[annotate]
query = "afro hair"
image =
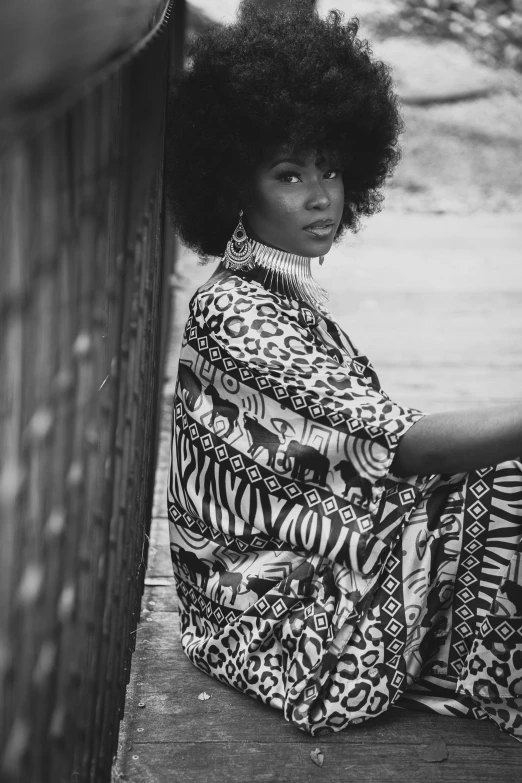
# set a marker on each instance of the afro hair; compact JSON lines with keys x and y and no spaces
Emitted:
{"x":282,"y":76}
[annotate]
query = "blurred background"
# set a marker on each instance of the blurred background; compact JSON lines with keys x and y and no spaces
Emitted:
{"x":94,"y":292}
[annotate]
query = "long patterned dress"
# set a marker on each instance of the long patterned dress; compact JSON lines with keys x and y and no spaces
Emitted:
{"x":309,"y":576}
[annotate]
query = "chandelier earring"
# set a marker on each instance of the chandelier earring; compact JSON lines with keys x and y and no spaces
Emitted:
{"x":239,"y":255}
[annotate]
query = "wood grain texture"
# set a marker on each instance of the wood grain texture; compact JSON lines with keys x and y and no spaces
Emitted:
{"x":242,"y":762}
{"x":229,"y":716}
{"x":160,"y":598}
{"x":82,"y":270}
{"x":161,"y":563}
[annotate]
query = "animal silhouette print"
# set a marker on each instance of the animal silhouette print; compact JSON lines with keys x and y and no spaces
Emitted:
{"x":221,"y":407}
{"x":262,"y":438}
{"x":306,"y":458}
{"x":352,"y":479}
{"x":191,"y":385}
{"x":259,"y":585}
{"x":192,"y":565}
{"x":230,"y":579}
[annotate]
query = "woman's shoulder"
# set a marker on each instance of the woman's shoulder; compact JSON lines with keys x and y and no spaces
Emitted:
{"x":233,"y":307}
{"x":227,"y":296}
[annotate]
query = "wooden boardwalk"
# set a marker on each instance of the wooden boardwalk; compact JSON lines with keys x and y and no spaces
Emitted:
{"x":436,"y":302}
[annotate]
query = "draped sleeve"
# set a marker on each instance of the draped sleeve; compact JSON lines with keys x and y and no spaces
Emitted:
{"x":297,"y":434}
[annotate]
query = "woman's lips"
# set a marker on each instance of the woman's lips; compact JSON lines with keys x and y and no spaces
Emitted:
{"x":320,"y":231}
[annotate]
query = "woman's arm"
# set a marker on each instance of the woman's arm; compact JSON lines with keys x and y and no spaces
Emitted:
{"x":459,"y":441}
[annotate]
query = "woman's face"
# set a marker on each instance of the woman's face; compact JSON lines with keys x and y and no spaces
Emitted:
{"x":296,"y":203}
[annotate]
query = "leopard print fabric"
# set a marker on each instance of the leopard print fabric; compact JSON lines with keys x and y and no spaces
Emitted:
{"x":308,"y":575}
{"x":493,"y":671}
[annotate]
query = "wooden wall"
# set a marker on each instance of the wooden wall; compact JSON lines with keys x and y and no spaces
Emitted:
{"x":82,"y":313}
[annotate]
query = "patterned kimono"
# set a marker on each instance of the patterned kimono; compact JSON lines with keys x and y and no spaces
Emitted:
{"x":309,"y":576}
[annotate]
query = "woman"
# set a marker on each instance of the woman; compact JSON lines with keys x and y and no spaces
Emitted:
{"x":335,"y":553}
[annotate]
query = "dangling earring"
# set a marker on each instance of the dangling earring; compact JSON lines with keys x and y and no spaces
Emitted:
{"x":238,"y":254}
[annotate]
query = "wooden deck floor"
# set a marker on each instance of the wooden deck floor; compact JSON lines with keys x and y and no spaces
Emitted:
{"x":437,"y":305}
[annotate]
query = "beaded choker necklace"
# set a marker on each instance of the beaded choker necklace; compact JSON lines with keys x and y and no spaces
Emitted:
{"x":288,"y":275}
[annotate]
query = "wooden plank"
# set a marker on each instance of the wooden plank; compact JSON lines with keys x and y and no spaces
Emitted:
{"x":160,"y":564}
{"x":169,"y":685}
{"x":160,"y":598}
{"x":159,"y":532}
{"x":159,"y":506}
{"x":238,"y":762}
{"x":230,"y":716}
{"x":161,"y":632}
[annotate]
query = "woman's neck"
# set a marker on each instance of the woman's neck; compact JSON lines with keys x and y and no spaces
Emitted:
{"x":288,"y":274}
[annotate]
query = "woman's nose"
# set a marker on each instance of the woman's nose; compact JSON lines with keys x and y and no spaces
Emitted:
{"x":318,"y":197}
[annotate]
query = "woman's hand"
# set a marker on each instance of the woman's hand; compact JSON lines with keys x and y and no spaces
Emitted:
{"x":460,"y":441}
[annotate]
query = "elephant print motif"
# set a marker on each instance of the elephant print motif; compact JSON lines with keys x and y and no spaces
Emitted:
{"x":307,"y":460}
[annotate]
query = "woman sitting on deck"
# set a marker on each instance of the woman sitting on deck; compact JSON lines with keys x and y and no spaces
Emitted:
{"x":336,"y":553}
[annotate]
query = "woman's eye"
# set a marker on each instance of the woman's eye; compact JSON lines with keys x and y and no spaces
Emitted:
{"x":288,"y":176}
{"x":293,"y":177}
